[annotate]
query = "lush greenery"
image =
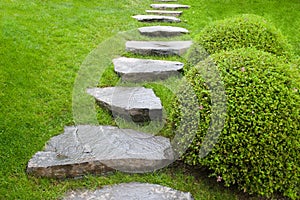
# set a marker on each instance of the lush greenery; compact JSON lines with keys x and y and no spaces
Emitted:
{"x":258,"y":148}
{"x":256,"y":124}
{"x":43,"y":44}
{"x":284,"y":15}
{"x":243,"y":31}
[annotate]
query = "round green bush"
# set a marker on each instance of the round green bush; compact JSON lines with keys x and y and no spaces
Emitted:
{"x":258,"y":146}
{"x":243,"y":31}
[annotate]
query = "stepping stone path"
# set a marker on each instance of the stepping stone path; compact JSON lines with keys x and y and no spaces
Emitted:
{"x":138,"y":70}
{"x":138,"y":104}
{"x":156,"y":18}
{"x":169,"y":6}
{"x":87,"y":149}
{"x":131,"y":191}
{"x":162,"y":31}
{"x":164,"y":12}
{"x":160,"y":48}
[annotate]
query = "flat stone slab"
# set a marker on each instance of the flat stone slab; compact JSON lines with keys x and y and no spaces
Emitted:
{"x":162,"y":31}
{"x":156,"y":18}
{"x":158,"y":47}
{"x":137,"y":70}
{"x":130,"y":191}
{"x":169,"y":6}
{"x":138,"y":104}
{"x":164,"y":12}
{"x":89,"y":149}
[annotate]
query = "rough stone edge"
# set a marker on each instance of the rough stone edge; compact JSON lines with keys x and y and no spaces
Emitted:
{"x":75,"y":170}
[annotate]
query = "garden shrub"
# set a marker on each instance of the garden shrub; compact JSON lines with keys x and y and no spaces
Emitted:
{"x":243,"y":31}
{"x":259,"y":145}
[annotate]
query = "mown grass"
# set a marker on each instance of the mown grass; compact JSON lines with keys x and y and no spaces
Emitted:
{"x":43,"y":44}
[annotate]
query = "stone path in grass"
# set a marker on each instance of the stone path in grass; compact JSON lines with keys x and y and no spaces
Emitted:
{"x":156,"y":18}
{"x":169,"y":6}
{"x":162,"y":31}
{"x":100,"y":149}
{"x":164,"y":12}
{"x":139,"y":70}
{"x":160,"y":48}
{"x":131,"y":191}
{"x":137,"y":104}
{"x":87,"y":149}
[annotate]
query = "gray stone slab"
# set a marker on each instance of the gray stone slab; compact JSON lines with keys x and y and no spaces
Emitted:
{"x":164,"y":12}
{"x":138,"y":104}
{"x":89,"y":149}
{"x":162,"y":31}
{"x":130,"y":191}
{"x":169,"y":6}
{"x":137,"y":70}
{"x":156,"y":18}
{"x":158,"y":47}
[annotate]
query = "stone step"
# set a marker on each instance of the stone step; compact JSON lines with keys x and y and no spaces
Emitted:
{"x":161,"y":48}
{"x":164,"y":12}
{"x":156,"y":18}
{"x":130,"y":191}
{"x":138,"y":70}
{"x":162,"y":31}
{"x":137,"y":104}
{"x":86,"y":149}
{"x":169,"y":6}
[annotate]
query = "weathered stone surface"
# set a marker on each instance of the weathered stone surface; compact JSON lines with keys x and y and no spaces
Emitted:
{"x":130,"y":191}
{"x":138,"y":104}
{"x":156,"y":18}
{"x":162,"y":31}
{"x":158,"y":47}
{"x":135,"y":70}
{"x":169,"y":6}
{"x":89,"y":149}
{"x":164,"y":12}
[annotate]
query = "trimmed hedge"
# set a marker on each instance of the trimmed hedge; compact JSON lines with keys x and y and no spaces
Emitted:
{"x":243,"y":31}
{"x":259,"y":145}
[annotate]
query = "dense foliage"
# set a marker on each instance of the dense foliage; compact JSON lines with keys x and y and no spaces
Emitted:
{"x":246,"y":30}
{"x":258,"y":147}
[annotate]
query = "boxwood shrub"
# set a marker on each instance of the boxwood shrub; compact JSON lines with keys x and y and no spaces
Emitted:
{"x":258,"y":148}
{"x":243,"y":31}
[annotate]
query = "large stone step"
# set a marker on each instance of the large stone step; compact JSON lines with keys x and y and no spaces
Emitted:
{"x":89,"y":149}
{"x":169,"y":6}
{"x":161,"y":48}
{"x":130,"y":191}
{"x":164,"y":12}
{"x":162,"y":31}
{"x":156,"y":18}
{"x":138,"y":104}
{"x":137,"y":70}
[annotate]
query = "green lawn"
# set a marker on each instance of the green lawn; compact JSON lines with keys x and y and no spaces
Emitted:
{"x":43,"y":44}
